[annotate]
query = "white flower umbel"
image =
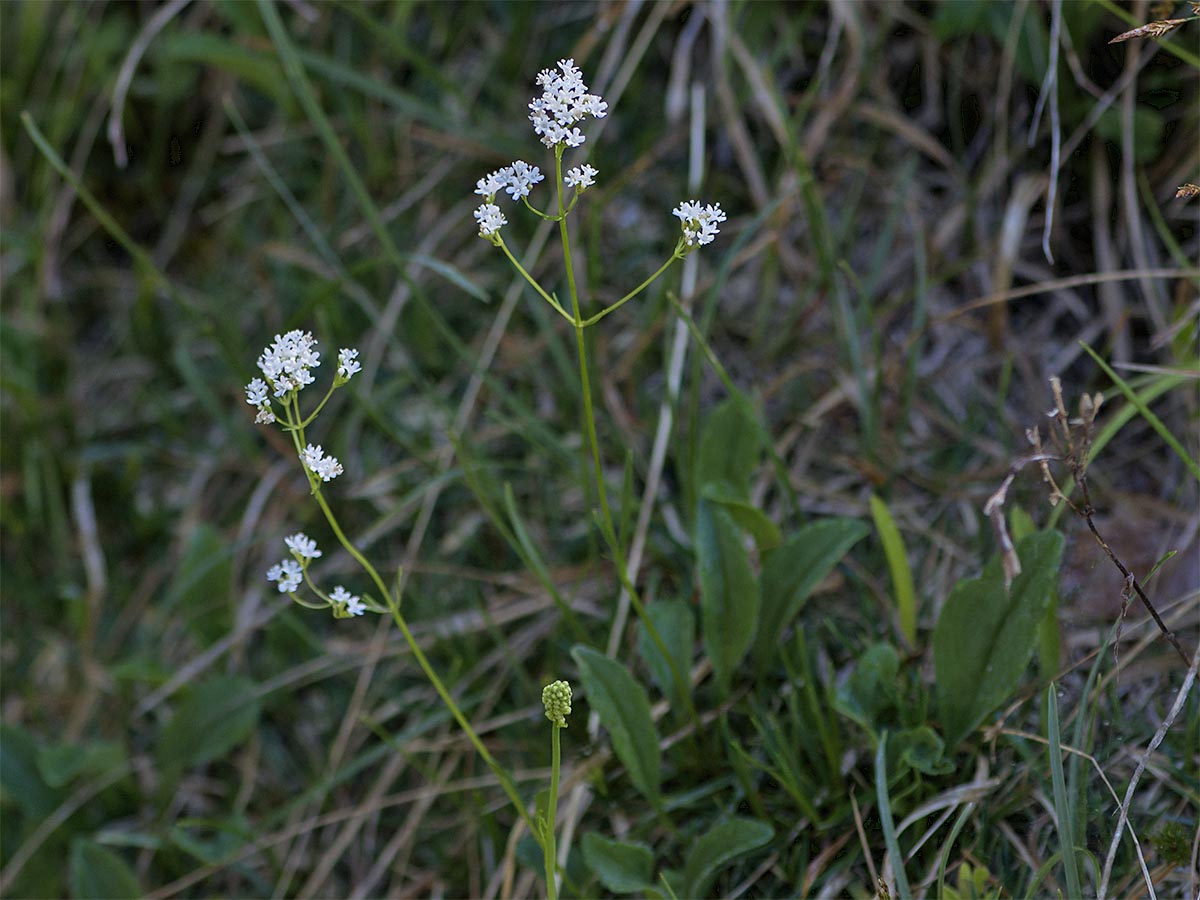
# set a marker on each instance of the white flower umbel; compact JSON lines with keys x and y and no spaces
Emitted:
{"x":699,"y":223}
{"x":349,"y":604}
{"x":565,"y":101}
{"x":288,"y":573}
{"x":302,"y":545}
{"x":580,"y":177}
{"x":324,"y":467}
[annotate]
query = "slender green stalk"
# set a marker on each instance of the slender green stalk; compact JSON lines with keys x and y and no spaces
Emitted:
{"x":637,"y":290}
{"x":393,"y":604}
{"x":607,"y":525}
{"x":532,"y":282}
{"x":548,"y":843}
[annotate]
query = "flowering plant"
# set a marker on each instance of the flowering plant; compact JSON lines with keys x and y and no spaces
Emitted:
{"x":287,"y":369}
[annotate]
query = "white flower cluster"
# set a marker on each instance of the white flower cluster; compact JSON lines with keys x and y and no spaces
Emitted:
{"x":580,"y":177}
{"x":324,"y":467}
{"x":518,"y":179}
{"x":348,"y":364}
{"x":564,"y":102}
{"x":287,"y":366}
{"x":351,"y":604}
{"x":699,"y":223}
{"x":289,"y":573}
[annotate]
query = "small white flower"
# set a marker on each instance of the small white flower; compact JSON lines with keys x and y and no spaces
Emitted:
{"x":573,"y":137}
{"x":699,"y":223}
{"x":256,"y":392}
{"x":490,"y":219}
{"x":490,"y":185}
{"x":324,"y":467}
{"x":593,"y":106}
{"x":265,"y":416}
{"x":348,"y":364}
{"x":581,"y":177}
{"x":351,"y":603}
{"x":288,"y":573}
{"x":302,"y":545}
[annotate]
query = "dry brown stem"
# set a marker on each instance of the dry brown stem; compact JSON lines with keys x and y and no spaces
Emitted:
{"x":1072,"y":438}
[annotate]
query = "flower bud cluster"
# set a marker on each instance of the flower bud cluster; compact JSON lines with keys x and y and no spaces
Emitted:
{"x":556,"y":697}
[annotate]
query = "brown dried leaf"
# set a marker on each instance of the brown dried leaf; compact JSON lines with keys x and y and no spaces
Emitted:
{"x":1153,"y":30}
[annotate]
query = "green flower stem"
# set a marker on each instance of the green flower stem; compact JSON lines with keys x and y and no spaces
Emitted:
{"x":637,"y":290}
{"x":606,"y":519}
{"x":532,"y":282}
{"x":320,"y":406}
{"x":394,"y":606}
{"x":501,"y":775}
{"x":548,"y":844}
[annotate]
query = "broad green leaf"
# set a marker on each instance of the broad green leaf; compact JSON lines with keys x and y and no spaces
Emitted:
{"x":21,"y":782}
{"x":922,"y":749}
{"x":766,"y":533}
{"x":729,"y":448}
{"x":871,"y":688}
{"x":985,"y":634}
{"x":61,"y":763}
{"x":901,"y":572}
{"x":677,"y":627}
{"x":729,"y":597}
{"x":622,"y":868}
{"x":215,"y":717}
{"x":210,"y":840}
{"x":1020,"y":524}
{"x":793,"y":570}
{"x":97,"y":873}
{"x":621,"y":704}
{"x":719,"y":846}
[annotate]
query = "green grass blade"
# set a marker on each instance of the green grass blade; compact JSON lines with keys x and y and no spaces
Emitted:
{"x":1155,"y":422}
{"x":294,"y":68}
{"x":885,"y":820}
{"x":1062,"y":806}
{"x":944,"y":856}
{"x":1112,"y":426}
{"x":897,"y":560}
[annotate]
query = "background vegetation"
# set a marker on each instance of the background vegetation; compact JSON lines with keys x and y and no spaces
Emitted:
{"x":881,"y":297}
